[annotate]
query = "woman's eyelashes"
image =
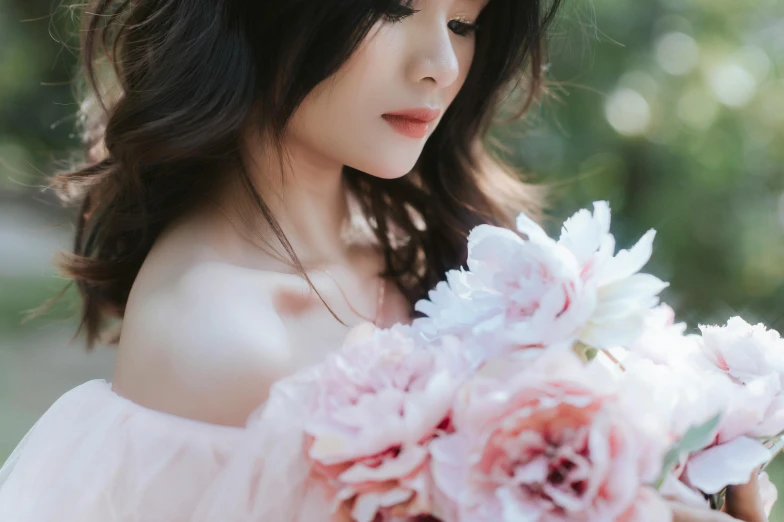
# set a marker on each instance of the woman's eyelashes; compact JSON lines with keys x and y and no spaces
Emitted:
{"x":398,"y":12}
{"x":463,"y":27}
{"x":459,"y":25}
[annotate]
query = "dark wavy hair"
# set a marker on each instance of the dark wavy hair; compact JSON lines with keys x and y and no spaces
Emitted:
{"x":172,"y":85}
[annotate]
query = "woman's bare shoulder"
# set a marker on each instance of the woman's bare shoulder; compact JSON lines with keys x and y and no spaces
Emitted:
{"x":205,"y":340}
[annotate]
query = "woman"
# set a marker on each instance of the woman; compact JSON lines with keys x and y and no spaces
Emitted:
{"x":262,"y":176}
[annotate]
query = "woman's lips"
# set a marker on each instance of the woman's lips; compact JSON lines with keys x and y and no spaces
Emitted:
{"x":408,"y":126}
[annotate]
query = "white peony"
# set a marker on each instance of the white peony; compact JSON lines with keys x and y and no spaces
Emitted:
{"x":743,"y":351}
{"x":535,"y":291}
{"x":624,"y":295}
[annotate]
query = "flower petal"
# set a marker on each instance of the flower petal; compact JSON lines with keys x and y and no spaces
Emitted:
{"x":628,"y":262}
{"x":726,"y":464}
{"x":585,"y":233}
{"x":531,"y":229}
{"x":367,"y":505}
{"x":405,"y":463}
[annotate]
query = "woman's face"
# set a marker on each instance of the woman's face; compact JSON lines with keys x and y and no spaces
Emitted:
{"x":419,"y":61}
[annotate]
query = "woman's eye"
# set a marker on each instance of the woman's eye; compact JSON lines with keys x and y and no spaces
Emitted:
{"x":462,"y":27}
{"x":399,"y":12}
{"x":459,"y":26}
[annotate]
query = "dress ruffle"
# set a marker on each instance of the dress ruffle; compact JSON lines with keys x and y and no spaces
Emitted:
{"x":95,"y":456}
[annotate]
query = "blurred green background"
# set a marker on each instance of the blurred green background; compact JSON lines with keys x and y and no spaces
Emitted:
{"x":673,"y":110}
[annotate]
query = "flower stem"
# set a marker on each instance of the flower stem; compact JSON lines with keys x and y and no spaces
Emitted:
{"x":613,"y":359}
{"x":774,"y":451}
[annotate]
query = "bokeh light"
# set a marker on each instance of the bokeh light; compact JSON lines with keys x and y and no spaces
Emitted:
{"x":677,"y":53}
{"x":628,"y":112}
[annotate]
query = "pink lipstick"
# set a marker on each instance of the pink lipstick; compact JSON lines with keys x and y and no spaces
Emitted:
{"x":413,"y":123}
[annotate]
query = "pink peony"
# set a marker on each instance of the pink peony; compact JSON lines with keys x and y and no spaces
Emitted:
{"x":544,"y":438}
{"x":379,"y":403}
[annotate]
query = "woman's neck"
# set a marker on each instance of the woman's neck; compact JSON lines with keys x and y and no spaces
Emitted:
{"x":308,"y":200}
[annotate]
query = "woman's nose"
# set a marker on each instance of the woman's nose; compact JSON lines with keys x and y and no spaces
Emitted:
{"x":434,"y":56}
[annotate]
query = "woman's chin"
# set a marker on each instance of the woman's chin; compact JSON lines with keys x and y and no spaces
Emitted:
{"x":390,"y":172}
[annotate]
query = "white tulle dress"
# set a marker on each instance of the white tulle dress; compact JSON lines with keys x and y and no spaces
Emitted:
{"x":95,"y":456}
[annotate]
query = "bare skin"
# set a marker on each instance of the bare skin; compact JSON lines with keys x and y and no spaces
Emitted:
{"x":743,"y":502}
{"x":205,"y":337}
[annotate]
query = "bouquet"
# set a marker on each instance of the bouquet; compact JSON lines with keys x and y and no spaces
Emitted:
{"x":546,"y":382}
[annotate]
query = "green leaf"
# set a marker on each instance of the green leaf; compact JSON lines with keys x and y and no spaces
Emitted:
{"x":695,"y":439}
